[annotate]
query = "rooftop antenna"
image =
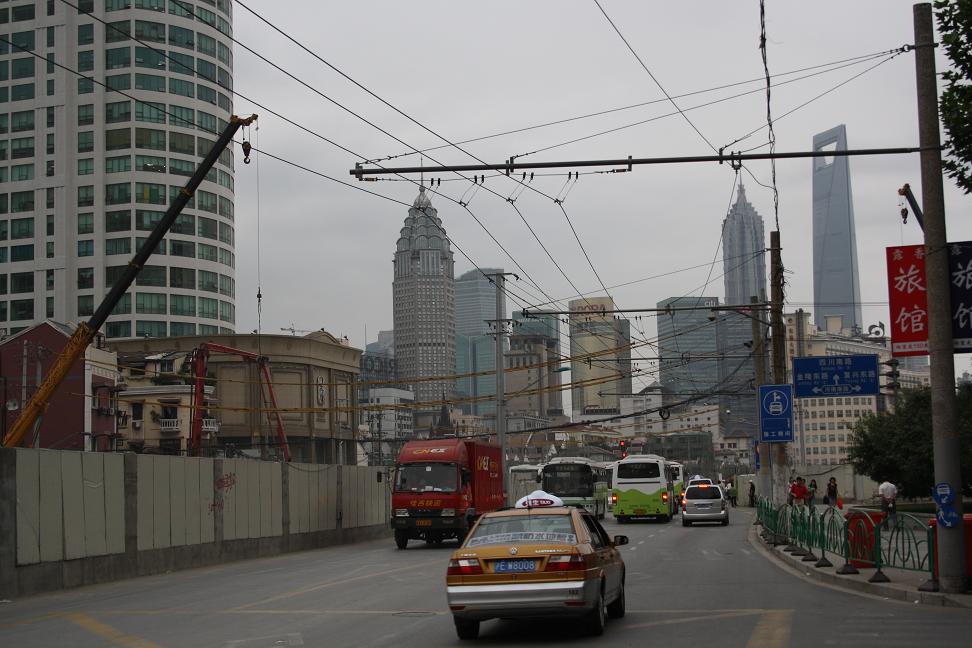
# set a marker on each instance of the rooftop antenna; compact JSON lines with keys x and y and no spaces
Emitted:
{"x":422,"y":172}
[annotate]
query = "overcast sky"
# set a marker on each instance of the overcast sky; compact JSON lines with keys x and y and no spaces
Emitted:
{"x":468,"y":69}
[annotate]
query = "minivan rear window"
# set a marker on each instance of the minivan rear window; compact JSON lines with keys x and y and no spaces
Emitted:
{"x":696,"y":493}
{"x":638,"y":471}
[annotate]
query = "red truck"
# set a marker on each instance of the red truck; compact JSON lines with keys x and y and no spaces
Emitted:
{"x":442,"y":486}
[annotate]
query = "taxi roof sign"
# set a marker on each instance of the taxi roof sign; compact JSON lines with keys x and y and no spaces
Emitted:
{"x":539,"y":499}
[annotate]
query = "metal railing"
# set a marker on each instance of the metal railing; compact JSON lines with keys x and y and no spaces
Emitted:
{"x":860,"y":538}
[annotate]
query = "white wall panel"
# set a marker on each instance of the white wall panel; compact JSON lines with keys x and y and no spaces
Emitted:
{"x":145,"y":502}
{"x":51,"y":506}
{"x":115,"y":502}
{"x":93,"y":494}
{"x":73,"y":497}
{"x":177,"y":499}
{"x":28,"y":507}
{"x":162,"y":503}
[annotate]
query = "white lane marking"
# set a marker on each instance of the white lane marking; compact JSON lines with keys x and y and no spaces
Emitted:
{"x":705,"y":552}
{"x":641,"y":542}
{"x":632,"y":548}
{"x":652,"y":535}
{"x":746,"y":551}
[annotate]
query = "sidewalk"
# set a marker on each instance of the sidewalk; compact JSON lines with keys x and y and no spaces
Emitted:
{"x":903,"y":585}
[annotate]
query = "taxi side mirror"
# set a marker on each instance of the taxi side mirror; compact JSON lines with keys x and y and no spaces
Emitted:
{"x":620,"y":540}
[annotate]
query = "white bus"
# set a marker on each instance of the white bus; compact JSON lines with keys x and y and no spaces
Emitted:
{"x":642,"y":487}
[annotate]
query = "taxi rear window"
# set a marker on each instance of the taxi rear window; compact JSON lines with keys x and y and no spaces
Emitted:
{"x":696,"y":493}
{"x":524,"y":529}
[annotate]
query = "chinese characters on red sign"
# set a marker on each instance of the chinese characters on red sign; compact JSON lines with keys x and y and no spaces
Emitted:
{"x":908,"y":299}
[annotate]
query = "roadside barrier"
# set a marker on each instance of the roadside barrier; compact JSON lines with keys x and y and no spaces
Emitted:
{"x":862,"y":538}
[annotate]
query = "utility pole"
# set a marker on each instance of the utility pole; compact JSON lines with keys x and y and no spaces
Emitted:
{"x":950,"y":550}
{"x":499,"y":280}
{"x":779,"y":459}
{"x":765,"y":477}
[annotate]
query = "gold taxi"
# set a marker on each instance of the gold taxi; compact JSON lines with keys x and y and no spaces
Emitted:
{"x":537,"y":560}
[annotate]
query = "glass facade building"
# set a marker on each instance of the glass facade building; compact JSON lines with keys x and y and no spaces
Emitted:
{"x":105,"y":111}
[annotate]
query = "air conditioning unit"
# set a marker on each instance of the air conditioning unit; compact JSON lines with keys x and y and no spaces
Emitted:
{"x":137,"y":425}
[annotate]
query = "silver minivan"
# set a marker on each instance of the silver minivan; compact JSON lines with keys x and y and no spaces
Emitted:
{"x":704,"y":503}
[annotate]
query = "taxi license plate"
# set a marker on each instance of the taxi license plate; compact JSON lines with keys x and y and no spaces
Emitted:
{"x":423,"y":522}
{"x":640,"y":511}
{"x":514,"y":565}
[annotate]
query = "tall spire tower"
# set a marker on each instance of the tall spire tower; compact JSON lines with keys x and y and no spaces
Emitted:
{"x":424,"y":308}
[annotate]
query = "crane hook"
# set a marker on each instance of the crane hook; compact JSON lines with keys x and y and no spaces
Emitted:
{"x":246,"y":152}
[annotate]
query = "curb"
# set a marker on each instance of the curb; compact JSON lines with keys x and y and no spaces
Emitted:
{"x":853,"y":585}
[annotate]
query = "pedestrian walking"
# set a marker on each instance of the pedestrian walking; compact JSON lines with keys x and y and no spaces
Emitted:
{"x":732,"y":494}
{"x":752,"y":494}
{"x":798,"y":491}
{"x":812,"y":493}
{"x":830,"y":499}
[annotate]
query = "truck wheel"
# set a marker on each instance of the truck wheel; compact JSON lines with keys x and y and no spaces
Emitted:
{"x":401,"y":539}
{"x":621,"y":519}
{"x":467,"y":628}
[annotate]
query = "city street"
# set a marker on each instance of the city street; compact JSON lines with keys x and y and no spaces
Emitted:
{"x":699,"y":586}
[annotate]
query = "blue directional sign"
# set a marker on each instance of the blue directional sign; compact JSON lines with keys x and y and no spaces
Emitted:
{"x":775,"y":413}
{"x":943,"y":494}
{"x":852,"y":375}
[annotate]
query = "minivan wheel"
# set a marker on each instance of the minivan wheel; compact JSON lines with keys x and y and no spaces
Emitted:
{"x":467,"y":628}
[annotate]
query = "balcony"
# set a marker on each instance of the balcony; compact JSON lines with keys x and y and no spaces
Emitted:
{"x":210,"y":425}
{"x":170,"y":425}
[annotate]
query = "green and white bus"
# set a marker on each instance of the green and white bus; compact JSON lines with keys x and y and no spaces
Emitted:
{"x":578,"y":481}
{"x":677,"y":477}
{"x":642,"y":488}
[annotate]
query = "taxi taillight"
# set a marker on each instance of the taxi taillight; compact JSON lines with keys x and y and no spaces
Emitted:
{"x":464,"y":567}
{"x":569,"y":562}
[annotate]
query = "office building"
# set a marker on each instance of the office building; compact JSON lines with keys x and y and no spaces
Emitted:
{"x":836,"y":281}
{"x":423,"y":293}
{"x":534,"y":370}
{"x":92,"y":168}
{"x":744,"y":267}
{"x":600,"y":351}
{"x":475,"y":341}
{"x":688,"y":347}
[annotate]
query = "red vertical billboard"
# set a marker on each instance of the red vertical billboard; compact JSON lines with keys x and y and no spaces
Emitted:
{"x":908,"y":299}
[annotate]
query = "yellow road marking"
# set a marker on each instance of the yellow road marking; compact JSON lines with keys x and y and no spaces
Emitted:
{"x":38,"y":619}
{"x":326,"y":584}
{"x":772,"y":631}
{"x":724,"y":615}
{"x":105,"y":631}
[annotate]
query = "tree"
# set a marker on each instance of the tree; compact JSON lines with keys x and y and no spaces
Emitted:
{"x":897,"y":445}
{"x":955,"y":29}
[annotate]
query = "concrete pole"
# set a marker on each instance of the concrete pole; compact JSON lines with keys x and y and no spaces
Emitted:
{"x":500,"y":281}
{"x":780,"y":461}
{"x":765,"y":481}
{"x":801,"y":350}
{"x":951,"y":556}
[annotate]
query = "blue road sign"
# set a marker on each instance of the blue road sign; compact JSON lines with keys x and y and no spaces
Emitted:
{"x":852,"y":375}
{"x":775,"y":413}
{"x":948,"y":517}
{"x":943,"y":494}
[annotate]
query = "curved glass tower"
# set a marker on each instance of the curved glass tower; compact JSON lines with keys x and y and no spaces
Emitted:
{"x":91,"y":170}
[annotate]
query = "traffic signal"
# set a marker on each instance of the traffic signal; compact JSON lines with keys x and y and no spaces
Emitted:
{"x":622,"y":445}
{"x":893,"y":375}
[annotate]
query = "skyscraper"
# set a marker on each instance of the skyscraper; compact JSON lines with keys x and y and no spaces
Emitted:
{"x":94,"y":170}
{"x":836,"y":282}
{"x":744,"y":267}
{"x":533,"y":375}
{"x":600,"y":347}
{"x":475,"y":344}
{"x":424,"y":308}
{"x":688,"y":349}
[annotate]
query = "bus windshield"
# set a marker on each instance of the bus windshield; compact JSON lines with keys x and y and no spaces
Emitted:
{"x":637,"y":471}
{"x":568,"y":480}
{"x":419,"y":477}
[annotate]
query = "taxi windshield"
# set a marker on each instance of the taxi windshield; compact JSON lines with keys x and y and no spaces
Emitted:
{"x":421,"y":477}
{"x":524,"y":529}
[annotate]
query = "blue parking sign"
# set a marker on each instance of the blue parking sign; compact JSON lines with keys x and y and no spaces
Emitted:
{"x":775,"y":413}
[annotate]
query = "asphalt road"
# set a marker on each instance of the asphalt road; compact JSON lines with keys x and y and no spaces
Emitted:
{"x":699,"y":586}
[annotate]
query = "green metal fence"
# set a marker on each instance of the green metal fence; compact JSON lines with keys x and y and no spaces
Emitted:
{"x":860,"y":538}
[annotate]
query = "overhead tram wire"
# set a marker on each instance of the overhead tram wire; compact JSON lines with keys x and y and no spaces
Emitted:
{"x":842,"y":63}
{"x":645,"y":67}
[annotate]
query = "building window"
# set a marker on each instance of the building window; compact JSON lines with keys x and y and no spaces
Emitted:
{"x":86,"y":196}
{"x":148,"y":58}
{"x":150,"y":138}
{"x":85,"y":60}
{"x":208,"y":281}
{"x":182,"y":63}
{"x":21,"y":228}
{"x":227,"y":312}
{"x":208,"y":308}
{"x":182,"y":278}
{"x":207,"y":45}
{"x":207,"y":252}
{"x":182,"y":248}
{"x":118,"y":329}
{"x":124,"y":305}
{"x":86,"y":248}
{"x":177,"y":329}
{"x":22,"y":120}
{"x":181,"y":167}
{"x":181,"y":87}
{"x":22,"y":68}
{"x":21,"y":172}
{"x":21,"y":147}
{"x":85,"y":278}
{"x":118,"y":221}
{"x":151,"y":275}
{"x":184,"y":224}
{"x":85,"y":305}
{"x":150,"y":193}
{"x":86,"y":166}
{"x":118,"y":246}
{"x":119,"y":164}
{"x":150,"y":111}
{"x":21,"y":282}
{"x":149,"y":329}
{"x":118,"y":111}
{"x":150,"y":82}
{"x":182,"y":305}
{"x":150,"y":31}
{"x":86,"y":34}
{"x":182,"y":143}
{"x":85,"y":141}
{"x":85,"y":223}
{"x":150,"y":303}
{"x":21,"y":309}
{"x":146,"y":220}
{"x":118,"y":138}
{"x":118,"y":193}
{"x":181,"y":37}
